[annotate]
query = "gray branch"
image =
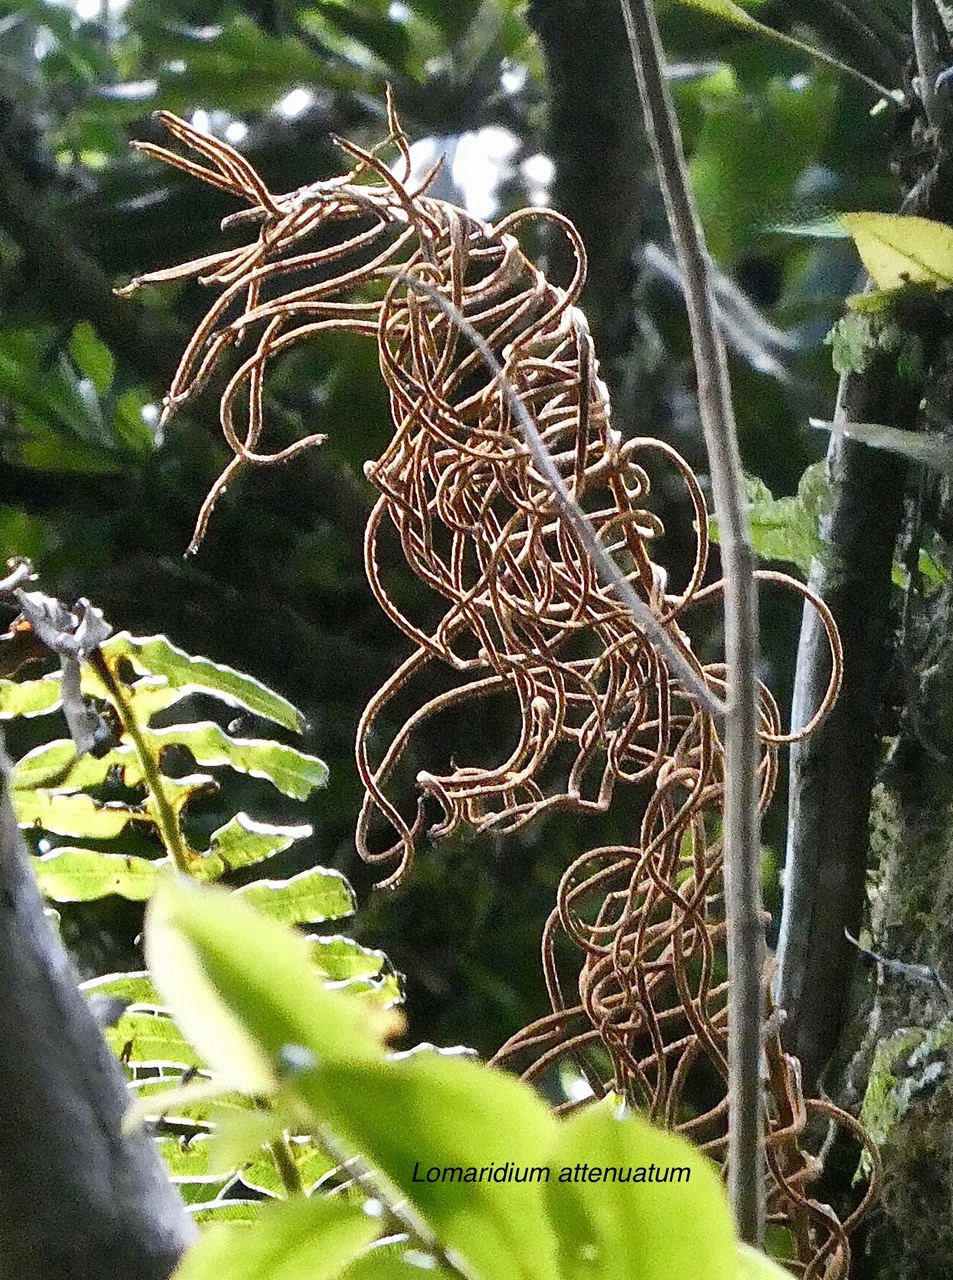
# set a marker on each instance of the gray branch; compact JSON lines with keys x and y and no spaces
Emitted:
{"x":78,"y":1198}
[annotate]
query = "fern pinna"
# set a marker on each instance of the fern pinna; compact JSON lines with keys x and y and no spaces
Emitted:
{"x":110,"y":817}
{"x":598,"y":702}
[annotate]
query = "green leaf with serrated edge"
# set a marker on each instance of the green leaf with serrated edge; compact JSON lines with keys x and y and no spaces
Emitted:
{"x":308,"y":898}
{"x":242,"y":842}
{"x":155,"y":655}
{"x":898,"y":250}
{"x":56,"y":764}
{"x":242,"y":987}
{"x":752,"y":1264}
{"x":635,"y":1230}
{"x":29,"y":697}
{"x":72,"y":815}
{"x":298,"y":1240}
{"x":244,"y":1213}
{"x":144,"y":1039}
{"x":292,"y":772}
{"x":340,"y":958}
{"x":92,"y":357}
{"x":136,"y":987}
{"x":82,"y":875}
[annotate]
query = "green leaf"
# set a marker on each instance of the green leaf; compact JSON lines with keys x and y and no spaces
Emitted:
{"x":645,"y":1228}
{"x":297,"y":1240}
{"x":752,"y":1264}
{"x":396,"y":1260}
{"x":188,"y":1159}
{"x":241,"y":985}
{"x":92,"y":357}
{"x":311,"y":1162}
{"x":436,"y":1122}
{"x":151,"y":1039}
{"x":728,"y":11}
{"x":137,"y":988}
{"x":242,"y":842}
{"x":71,"y":815}
{"x":898,"y":250}
{"x":155,"y":655}
{"x":81,"y":875}
{"x":853,"y":342}
{"x":787,"y":528}
{"x":30,"y":697}
{"x":340,"y":959}
{"x":292,"y":771}
{"x":235,"y":1213}
{"x":314,"y":895}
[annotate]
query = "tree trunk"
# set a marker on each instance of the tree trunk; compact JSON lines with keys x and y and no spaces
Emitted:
{"x":79,"y":1200}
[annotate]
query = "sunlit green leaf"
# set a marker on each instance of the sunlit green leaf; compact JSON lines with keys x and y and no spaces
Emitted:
{"x":155,"y":655}
{"x":145,"y":1038}
{"x":137,"y":987}
{"x":242,"y":842}
{"x":299,"y":1240}
{"x":669,"y":1219}
{"x":308,"y":898}
{"x":241,"y":985}
{"x":752,"y":1264}
{"x":71,"y":815}
{"x":234,"y":1213}
{"x":29,"y":697}
{"x":899,"y":250}
{"x":80,"y":875}
{"x":292,"y":771}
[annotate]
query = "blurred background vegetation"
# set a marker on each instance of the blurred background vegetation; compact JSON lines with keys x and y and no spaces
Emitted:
{"x":528,"y":104}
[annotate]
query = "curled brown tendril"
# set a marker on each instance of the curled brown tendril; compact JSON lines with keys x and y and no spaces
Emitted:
{"x":525,"y":618}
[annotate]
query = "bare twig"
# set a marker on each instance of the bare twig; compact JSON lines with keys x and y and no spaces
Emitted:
{"x":746,"y":945}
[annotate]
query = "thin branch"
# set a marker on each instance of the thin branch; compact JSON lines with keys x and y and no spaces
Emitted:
{"x":572,"y":513}
{"x":745,"y":918}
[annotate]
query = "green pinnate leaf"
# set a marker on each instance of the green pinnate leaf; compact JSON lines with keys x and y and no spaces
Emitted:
{"x":314,"y":895}
{"x":292,"y":771}
{"x":30,"y":697}
{"x":81,"y":875}
{"x":243,"y":842}
{"x":157,"y":656}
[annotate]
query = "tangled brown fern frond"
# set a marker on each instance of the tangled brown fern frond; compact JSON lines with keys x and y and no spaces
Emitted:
{"x":525,"y":618}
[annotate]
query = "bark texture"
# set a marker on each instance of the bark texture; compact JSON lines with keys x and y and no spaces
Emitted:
{"x":77,"y":1197}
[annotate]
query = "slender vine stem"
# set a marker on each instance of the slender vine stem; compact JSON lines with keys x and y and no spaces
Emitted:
{"x":745,"y":917}
{"x":170,"y":830}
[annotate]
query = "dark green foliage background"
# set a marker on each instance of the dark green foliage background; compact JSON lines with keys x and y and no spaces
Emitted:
{"x":278,"y":589}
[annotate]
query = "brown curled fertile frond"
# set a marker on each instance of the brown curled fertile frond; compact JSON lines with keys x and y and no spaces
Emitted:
{"x":524,"y":623}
